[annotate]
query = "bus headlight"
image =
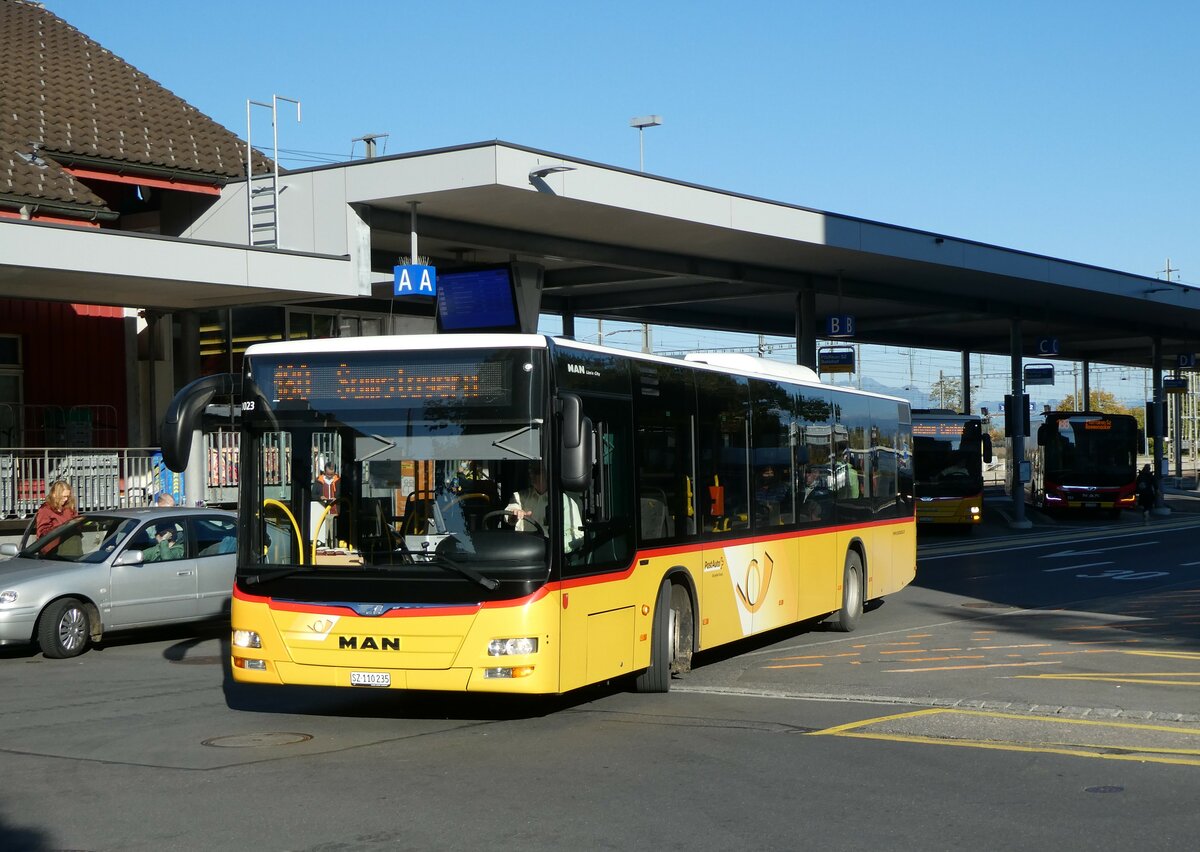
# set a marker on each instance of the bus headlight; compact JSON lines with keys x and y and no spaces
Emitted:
{"x":512,"y":647}
{"x":8,"y":596}
{"x":246,"y":639}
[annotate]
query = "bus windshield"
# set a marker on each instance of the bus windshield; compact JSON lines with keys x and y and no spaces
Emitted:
{"x":411,"y":463}
{"x":1089,"y":449}
{"x":947,"y":457}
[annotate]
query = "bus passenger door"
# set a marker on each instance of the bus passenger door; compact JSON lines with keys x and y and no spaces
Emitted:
{"x":598,"y":604}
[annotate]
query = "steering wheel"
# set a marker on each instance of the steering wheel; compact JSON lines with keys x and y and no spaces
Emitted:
{"x":511,"y":514}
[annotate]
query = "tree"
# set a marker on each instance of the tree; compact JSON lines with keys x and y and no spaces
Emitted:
{"x":946,"y":393}
{"x":1104,"y":401}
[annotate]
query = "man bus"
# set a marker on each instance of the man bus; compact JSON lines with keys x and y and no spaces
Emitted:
{"x":656,"y":538}
{"x":1084,"y":460}
{"x":949,"y":451}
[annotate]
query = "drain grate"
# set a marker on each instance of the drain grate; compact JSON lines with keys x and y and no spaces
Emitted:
{"x":261,"y":740}
{"x":1104,"y":789}
{"x":987,"y":605}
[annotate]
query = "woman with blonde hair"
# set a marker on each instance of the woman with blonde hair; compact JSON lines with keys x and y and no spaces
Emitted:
{"x":58,"y":508}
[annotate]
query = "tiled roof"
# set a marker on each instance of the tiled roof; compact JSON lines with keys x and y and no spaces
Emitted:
{"x":63,"y":97}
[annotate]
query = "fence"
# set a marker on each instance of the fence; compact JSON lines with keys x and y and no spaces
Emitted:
{"x":128,"y":477}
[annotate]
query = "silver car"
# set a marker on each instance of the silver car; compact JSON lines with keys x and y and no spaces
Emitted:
{"x":115,"y":570}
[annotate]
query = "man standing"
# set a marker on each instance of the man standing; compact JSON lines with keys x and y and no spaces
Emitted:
{"x":327,"y":493}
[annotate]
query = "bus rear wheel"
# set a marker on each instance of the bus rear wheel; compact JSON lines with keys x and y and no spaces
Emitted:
{"x":846,"y":618}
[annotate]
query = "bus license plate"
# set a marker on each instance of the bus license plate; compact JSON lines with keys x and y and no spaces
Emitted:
{"x":370,"y":679}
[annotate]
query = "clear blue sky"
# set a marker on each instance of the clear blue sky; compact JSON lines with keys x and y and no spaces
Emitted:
{"x":1059,"y":128}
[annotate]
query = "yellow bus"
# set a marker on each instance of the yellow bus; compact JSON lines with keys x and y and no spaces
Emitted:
{"x":516,"y":513}
{"x":949,"y":450}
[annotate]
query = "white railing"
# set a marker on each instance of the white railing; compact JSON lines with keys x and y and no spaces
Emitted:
{"x":108,"y":478}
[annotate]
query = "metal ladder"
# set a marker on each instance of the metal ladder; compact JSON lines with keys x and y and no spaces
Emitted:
{"x":262,"y":190}
{"x":264,"y":207}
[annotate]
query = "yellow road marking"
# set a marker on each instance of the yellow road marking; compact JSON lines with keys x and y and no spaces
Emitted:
{"x":797,"y":666}
{"x":984,"y":666}
{"x":1182,"y":757}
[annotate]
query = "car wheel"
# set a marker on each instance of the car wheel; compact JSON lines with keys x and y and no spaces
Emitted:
{"x":64,"y":630}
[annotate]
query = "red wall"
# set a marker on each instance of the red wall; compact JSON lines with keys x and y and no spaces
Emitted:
{"x":72,"y":354}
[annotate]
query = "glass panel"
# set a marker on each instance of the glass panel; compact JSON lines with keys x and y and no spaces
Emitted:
{"x":773,"y":455}
{"x":665,"y":404}
{"x":812,"y":431}
{"x":724,"y":474}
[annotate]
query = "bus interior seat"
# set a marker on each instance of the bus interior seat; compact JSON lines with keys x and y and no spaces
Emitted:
{"x":656,"y":520}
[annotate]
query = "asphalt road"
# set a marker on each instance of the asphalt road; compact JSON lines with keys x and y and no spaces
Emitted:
{"x":1041,"y":689}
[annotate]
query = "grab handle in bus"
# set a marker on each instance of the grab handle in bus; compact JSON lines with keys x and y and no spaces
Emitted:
{"x":578,"y":453}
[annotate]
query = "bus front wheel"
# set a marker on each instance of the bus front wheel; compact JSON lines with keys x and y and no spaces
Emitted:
{"x":670,"y":639}
{"x":847,"y":617}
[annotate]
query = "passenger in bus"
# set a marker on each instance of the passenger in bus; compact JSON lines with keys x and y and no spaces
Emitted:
{"x":533,"y":503}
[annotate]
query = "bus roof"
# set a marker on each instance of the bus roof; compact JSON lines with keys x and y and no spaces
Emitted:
{"x":726,"y":362}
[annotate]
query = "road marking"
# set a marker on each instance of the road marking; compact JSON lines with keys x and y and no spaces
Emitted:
{"x":959,"y":554}
{"x":1097,"y":550}
{"x":1075,"y":567}
{"x":1143,"y":678}
{"x":1115,"y":751}
{"x":983,"y":666}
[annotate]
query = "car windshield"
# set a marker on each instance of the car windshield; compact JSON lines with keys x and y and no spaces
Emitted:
{"x":88,"y":538}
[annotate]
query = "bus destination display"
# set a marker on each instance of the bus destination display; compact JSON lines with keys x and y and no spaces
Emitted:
{"x":305,"y":382}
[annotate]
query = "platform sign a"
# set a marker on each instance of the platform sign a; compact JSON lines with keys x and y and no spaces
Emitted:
{"x":414,"y":280}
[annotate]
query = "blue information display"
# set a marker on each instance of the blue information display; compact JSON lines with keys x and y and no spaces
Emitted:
{"x":477,"y":300}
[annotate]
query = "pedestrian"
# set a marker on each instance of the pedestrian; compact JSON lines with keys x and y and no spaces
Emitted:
{"x":327,"y":489}
{"x":58,"y":508}
{"x":1147,"y":492}
{"x":164,"y":500}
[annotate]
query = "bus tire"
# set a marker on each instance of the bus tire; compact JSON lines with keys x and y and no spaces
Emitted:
{"x":657,"y":678}
{"x":846,"y":618}
{"x":64,"y":629}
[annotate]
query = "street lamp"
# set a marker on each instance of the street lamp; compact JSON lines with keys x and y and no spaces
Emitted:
{"x":641,"y":123}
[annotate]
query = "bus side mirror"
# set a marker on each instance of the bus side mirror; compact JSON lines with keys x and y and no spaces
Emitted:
{"x":1043,"y":435}
{"x":578,"y":449}
{"x":183,"y":416}
{"x":987,"y":448}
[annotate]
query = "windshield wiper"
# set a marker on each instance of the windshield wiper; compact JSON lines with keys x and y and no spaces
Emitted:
{"x":499,"y":442}
{"x":268,"y":576}
{"x":470,"y":573}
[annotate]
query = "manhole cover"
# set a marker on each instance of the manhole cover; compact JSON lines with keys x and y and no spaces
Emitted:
{"x":271,"y":738}
{"x":201,"y":660}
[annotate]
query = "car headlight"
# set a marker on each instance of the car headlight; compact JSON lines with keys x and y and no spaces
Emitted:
{"x":8,"y":596}
{"x":512,"y":647}
{"x":246,"y":639}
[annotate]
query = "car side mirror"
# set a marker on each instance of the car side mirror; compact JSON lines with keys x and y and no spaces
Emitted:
{"x":8,"y":550}
{"x":133,"y":556}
